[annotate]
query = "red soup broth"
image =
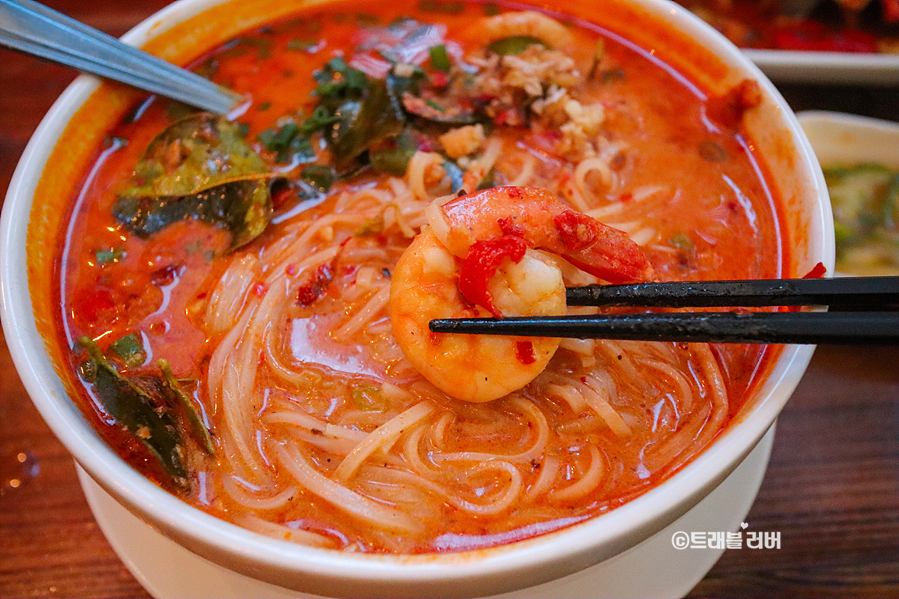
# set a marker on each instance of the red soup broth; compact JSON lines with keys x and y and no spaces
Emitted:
{"x":284,"y":346}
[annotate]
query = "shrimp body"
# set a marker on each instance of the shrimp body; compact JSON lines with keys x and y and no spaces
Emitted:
{"x":529,"y":23}
{"x":484,"y":254}
{"x":474,"y":368}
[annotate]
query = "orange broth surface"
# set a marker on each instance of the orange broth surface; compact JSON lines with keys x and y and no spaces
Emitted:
{"x":719,"y":220}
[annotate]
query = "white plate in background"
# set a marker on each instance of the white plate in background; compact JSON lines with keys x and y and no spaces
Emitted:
{"x":784,"y":66}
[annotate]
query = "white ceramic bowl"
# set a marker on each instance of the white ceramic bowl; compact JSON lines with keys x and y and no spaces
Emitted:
{"x":27,"y":232}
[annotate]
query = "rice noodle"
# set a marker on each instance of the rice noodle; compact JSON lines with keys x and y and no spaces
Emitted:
{"x":607,"y":180}
{"x":572,"y":396}
{"x":375,"y":305}
{"x":340,"y":496}
{"x":228,"y":296}
{"x":285,"y":533}
{"x":596,"y":395}
{"x":526,"y":171}
{"x":251,"y":500}
{"x":535,"y":420}
{"x":549,"y":472}
{"x":382,"y":438}
{"x":417,"y":173}
{"x":701,"y":426}
{"x":588,"y":482}
{"x":501,"y":501}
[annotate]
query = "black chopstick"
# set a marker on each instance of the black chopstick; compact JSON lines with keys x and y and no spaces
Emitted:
{"x":846,"y":292}
{"x":871,"y":316}
{"x":838,"y":328}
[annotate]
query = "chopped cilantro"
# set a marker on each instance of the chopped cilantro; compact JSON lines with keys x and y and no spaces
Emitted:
{"x":287,"y":141}
{"x":435,"y":106}
{"x":439,"y":58}
{"x":110,"y":255}
{"x":130,"y":350}
{"x":299,"y":45}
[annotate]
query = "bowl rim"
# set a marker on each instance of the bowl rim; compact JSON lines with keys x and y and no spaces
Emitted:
{"x":503,"y":568}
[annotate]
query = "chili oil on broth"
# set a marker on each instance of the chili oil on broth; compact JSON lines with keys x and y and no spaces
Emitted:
{"x":292,"y":387}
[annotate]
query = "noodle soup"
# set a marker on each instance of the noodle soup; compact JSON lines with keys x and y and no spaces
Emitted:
{"x":225,"y":286}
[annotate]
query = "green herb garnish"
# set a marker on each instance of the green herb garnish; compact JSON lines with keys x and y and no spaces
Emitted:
{"x":111,"y":255}
{"x":319,"y":176}
{"x":439,"y":58}
{"x":130,"y":350}
{"x":200,"y":432}
{"x":515,"y":44}
{"x":199,"y":167}
{"x":140,"y":406}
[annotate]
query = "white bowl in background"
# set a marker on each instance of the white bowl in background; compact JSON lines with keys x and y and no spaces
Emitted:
{"x":845,"y":140}
{"x":840,"y":138}
{"x":26,"y":254}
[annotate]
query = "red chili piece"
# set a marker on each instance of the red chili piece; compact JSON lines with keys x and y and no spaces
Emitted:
{"x":164,"y":276}
{"x":281,"y":195}
{"x":481,"y":262}
{"x":508,"y":226}
{"x":524,"y":350}
{"x":439,"y":79}
{"x":817,"y":272}
{"x":315,"y":287}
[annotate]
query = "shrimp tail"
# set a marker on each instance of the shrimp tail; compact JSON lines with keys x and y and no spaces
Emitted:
{"x":601,"y":250}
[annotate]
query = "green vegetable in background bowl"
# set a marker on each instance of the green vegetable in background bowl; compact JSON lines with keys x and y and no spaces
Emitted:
{"x":865,"y":199}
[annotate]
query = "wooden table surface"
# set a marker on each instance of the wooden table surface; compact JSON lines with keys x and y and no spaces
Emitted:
{"x":831,"y":490}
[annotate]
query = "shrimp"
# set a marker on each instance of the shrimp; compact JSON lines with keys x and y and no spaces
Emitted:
{"x":485,"y":254}
{"x":528,"y":23}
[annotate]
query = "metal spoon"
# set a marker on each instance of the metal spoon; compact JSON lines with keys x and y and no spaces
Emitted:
{"x":32,"y":28}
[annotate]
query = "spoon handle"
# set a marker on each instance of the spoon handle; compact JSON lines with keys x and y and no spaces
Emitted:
{"x":30,"y":27}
